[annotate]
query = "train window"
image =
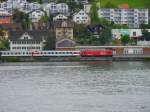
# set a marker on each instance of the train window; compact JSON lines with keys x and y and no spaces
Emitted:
{"x":56,"y":53}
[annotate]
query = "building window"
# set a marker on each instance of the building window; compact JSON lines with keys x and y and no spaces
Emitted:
{"x":134,"y":33}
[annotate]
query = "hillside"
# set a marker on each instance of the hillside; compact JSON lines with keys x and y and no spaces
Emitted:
{"x":132,"y":3}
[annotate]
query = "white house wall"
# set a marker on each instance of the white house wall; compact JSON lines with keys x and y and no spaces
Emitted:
{"x":116,"y":33}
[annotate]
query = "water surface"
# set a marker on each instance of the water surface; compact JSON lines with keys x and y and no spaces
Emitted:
{"x":75,"y":87}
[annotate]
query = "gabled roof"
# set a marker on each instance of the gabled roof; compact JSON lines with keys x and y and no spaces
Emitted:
{"x":65,"y":42}
{"x":63,"y":24}
{"x":79,"y":12}
{"x":95,"y":28}
{"x":60,"y":17}
{"x":124,"y":6}
{"x":36,"y":35}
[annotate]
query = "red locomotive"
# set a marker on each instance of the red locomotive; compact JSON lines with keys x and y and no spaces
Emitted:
{"x":96,"y":53}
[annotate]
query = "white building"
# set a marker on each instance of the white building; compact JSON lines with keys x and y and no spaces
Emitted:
{"x":27,"y":41}
{"x":130,"y":17}
{"x":133,"y":33}
{"x":21,"y":5}
{"x":36,"y":15}
{"x":81,"y":18}
{"x":62,"y":8}
{"x":12,"y":4}
{"x":29,"y":7}
{"x":60,"y":17}
{"x":6,"y":6}
{"x":4,"y":12}
{"x":53,"y":8}
{"x":50,"y":8}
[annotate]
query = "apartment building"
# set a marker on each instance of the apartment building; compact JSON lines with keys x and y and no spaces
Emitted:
{"x":130,"y":17}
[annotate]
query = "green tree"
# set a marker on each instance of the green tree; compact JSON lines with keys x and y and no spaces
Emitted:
{"x":44,"y":19}
{"x":146,"y":35}
{"x":4,"y":44}
{"x":145,"y":26}
{"x":21,"y":17}
{"x":94,"y":13}
{"x":105,"y":38}
{"x":110,"y":5}
{"x":2,"y":34}
{"x":125,"y":39}
{"x":50,"y":43}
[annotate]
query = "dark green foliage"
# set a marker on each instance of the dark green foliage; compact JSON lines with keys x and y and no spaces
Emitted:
{"x":145,"y":26}
{"x":45,"y":18}
{"x":105,"y":37}
{"x":110,"y":5}
{"x":4,"y":44}
{"x":2,"y":1}
{"x":39,"y":1}
{"x":50,"y":43}
{"x":10,"y":59}
{"x":125,"y":39}
{"x":94,"y":13}
{"x":146,"y":35}
{"x":21,"y":17}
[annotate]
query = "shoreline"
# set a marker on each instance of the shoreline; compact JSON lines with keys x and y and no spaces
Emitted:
{"x":72,"y":59}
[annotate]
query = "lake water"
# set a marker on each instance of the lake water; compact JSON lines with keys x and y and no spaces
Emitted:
{"x":75,"y":87}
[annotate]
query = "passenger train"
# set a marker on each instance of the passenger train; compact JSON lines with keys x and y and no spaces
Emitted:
{"x":84,"y":53}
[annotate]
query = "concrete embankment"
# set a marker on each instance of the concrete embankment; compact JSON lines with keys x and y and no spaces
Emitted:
{"x":131,"y":57}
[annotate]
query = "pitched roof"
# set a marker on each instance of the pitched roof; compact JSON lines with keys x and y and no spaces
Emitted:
{"x":63,"y":23}
{"x":36,"y":35}
{"x":65,"y":42}
{"x":124,"y":6}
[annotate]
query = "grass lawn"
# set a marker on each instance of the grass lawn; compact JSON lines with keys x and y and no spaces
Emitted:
{"x":132,"y":3}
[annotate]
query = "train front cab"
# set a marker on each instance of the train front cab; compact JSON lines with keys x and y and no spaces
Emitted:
{"x":96,"y":53}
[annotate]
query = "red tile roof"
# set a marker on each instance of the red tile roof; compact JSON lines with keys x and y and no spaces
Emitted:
{"x":124,"y":6}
